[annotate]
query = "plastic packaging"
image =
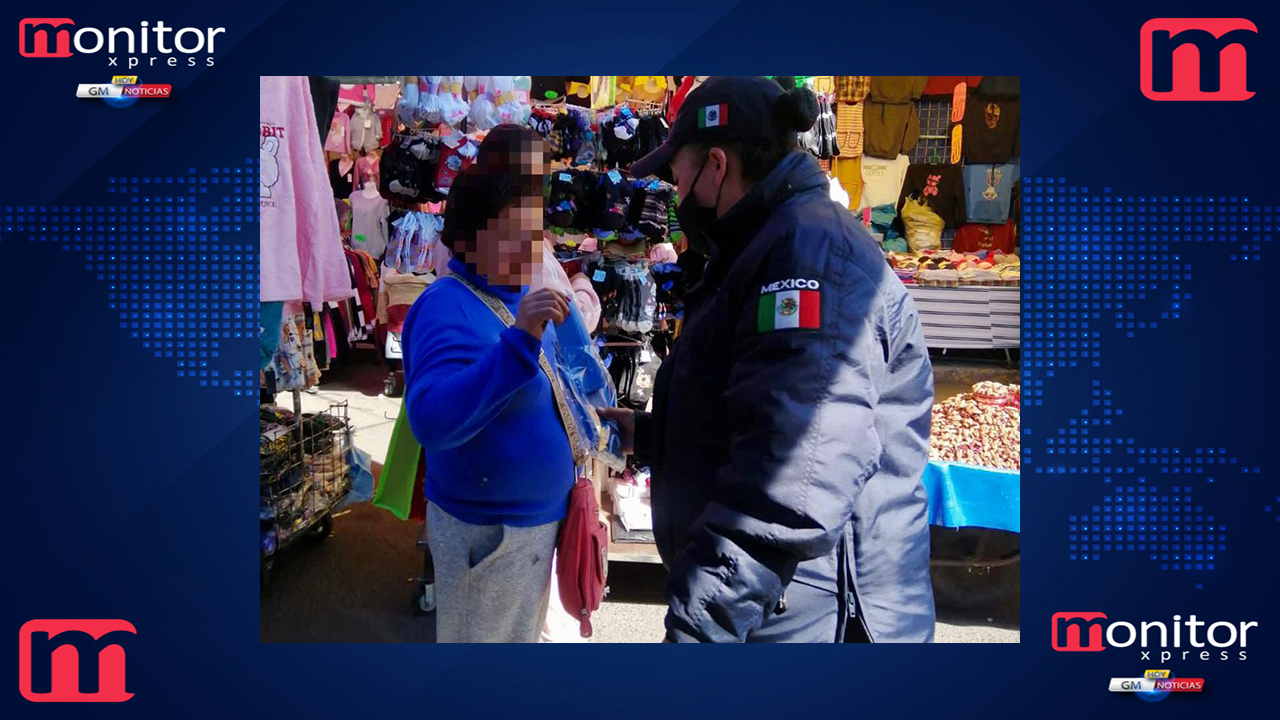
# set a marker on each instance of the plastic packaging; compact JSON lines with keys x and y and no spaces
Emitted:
{"x":587,"y":386}
{"x":923,"y":226}
{"x":360,"y":467}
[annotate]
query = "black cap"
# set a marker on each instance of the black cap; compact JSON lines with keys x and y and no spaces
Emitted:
{"x":724,"y":108}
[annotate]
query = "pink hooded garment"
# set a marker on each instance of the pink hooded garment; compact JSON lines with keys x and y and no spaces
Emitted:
{"x":301,"y":249}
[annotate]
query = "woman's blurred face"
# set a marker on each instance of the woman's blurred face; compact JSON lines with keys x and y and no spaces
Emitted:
{"x":509,"y":247}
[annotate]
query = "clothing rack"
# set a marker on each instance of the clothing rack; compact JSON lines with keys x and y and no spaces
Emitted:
{"x":397,"y":203}
{"x":409,"y":133}
{"x":366,"y":79}
{"x":647,"y":108}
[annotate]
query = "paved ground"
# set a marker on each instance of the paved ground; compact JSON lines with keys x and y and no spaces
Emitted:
{"x":357,"y":586}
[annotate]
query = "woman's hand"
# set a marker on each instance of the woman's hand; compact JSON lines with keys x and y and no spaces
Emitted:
{"x":537,"y":308}
{"x":626,"y":420}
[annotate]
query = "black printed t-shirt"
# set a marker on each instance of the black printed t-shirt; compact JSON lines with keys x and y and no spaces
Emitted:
{"x":941,"y":187}
{"x":990,"y":130}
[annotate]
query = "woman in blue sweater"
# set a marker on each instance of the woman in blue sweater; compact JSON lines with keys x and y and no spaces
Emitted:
{"x":481,"y":401}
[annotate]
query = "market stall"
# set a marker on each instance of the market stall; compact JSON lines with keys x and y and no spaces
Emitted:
{"x":927,"y":164}
{"x":969,"y":317}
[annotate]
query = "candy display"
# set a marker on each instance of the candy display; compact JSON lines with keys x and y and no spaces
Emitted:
{"x":980,"y":427}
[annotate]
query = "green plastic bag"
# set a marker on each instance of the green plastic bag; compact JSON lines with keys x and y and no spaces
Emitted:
{"x":395,"y":490}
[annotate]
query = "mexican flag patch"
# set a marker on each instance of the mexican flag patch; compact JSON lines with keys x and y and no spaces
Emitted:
{"x":713,"y":116}
{"x":789,"y":309}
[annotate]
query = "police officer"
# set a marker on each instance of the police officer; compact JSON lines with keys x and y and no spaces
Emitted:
{"x":790,"y":422}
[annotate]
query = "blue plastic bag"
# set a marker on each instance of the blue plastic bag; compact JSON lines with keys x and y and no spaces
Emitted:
{"x":359,"y":464}
{"x":588,"y":385}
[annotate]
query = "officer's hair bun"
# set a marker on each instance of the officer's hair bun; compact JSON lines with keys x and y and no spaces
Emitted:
{"x":797,"y":109}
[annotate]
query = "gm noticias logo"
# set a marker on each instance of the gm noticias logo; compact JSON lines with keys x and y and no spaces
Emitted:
{"x":1196,"y":58}
{"x":75,"y":660}
{"x":1085,"y":632}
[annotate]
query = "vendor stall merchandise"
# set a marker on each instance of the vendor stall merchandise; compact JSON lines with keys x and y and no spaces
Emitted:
{"x":305,"y":474}
{"x":317,"y":293}
{"x":930,"y":164}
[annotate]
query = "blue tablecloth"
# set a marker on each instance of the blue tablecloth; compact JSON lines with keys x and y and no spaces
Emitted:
{"x":969,"y":496}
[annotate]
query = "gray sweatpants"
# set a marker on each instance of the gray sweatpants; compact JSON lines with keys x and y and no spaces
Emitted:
{"x":492,"y":581}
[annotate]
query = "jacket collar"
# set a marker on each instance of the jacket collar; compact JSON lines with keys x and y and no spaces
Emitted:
{"x":507,"y":295}
{"x":796,"y":173}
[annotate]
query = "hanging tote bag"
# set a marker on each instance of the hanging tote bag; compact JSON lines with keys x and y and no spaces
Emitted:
{"x":400,"y":484}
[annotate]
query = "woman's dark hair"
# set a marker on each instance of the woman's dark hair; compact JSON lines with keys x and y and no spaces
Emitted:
{"x":496,"y":181}
{"x":508,"y":148}
{"x":475,"y":198}
{"x":795,"y":112}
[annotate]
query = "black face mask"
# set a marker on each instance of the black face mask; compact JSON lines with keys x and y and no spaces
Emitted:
{"x":695,"y":218}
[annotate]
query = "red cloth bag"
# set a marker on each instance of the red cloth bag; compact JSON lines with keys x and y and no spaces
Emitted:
{"x":582,"y":556}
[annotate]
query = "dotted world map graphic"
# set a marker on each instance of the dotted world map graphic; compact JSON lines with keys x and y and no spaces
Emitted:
{"x":1104,"y":271}
{"x":177,"y":258}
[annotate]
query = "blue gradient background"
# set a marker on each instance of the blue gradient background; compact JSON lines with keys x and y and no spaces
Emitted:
{"x":128,"y":485}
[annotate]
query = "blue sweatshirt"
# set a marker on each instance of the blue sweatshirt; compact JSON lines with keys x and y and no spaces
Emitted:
{"x":496,"y":452}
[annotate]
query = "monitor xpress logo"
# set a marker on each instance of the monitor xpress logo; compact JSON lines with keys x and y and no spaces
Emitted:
{"x":75,"y":660}
{"x":143,"y":46}
{"x":1085,"y":632}
{"x":1197,"y":58}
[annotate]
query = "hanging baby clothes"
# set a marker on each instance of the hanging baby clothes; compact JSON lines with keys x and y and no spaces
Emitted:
{"x":388,"y":128}
{"x":414,"y":243}
{"x":385,"y":96}
{"x":339,"y":139}
{"x":366,"y":171}
{"x":366,"y":129}
{"x":295,"y":363}
{"x":456,"y":154}
{"x":340,"y":176}
{"x":353,"y":94}
{"x":271,"y":320}
{"x":315,"y":326}
{"x":301,"y":253}
{"x":363,"y":308}
{"x":369,"y":215}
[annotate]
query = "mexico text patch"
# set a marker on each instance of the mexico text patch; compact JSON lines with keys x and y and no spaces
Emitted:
{"x":789,"y":304}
